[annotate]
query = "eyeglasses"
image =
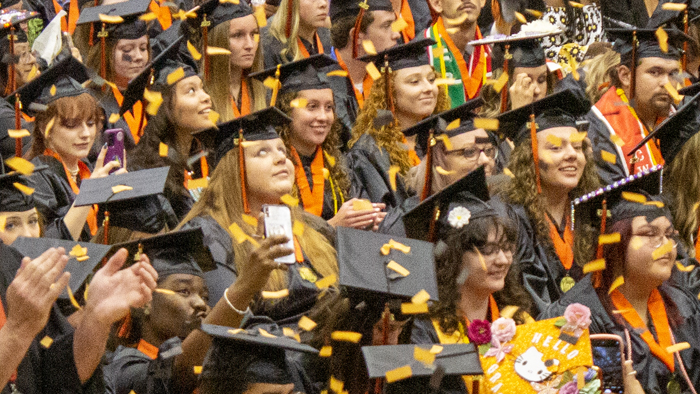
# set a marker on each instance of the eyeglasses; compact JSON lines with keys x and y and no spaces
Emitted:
{"x":473,"y":153}
{"x":657,"y":240}
{"x":492,"y":248}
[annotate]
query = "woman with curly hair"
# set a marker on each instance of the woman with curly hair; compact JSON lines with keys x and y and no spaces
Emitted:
{"x":312,"y":139}
{"x":380,"y":154}
{"x":547,"y":173}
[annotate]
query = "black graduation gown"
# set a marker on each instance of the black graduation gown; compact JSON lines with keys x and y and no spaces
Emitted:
{"x":110,"y":106}
{"x":540,"y":267}
{"x":131,"y":369}
{"x":651,"y":372}
{"x":392,"y":223}
{"x":273,"y":47}
{"x":52,"y":370}
{"x":7,"y":122}
{"x":371,"y":167}
{"x":346,"y":105}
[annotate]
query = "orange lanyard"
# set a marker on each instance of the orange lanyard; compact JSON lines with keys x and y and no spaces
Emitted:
{"x":204,"y":167}
{"x":657,"y":311}
{"x":697,"y":244}
{"x":245,"y":101}
{"x":563,"y":247}
{"x":302,"y":47}
{"x":147,"y":349}
{"x":495,"y":314}
{"x":132,"y":116}
{"x":409,"y":32}
{"x":73,"y":14}
{"x":83,"y":173}
{"x":312,"y":200}
{"x":366,"y":83}
{"x":471,"y":81}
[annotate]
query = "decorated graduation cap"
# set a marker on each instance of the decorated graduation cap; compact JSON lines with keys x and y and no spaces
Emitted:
{"x":401,"y":364}
{"x":83,"y":259}
{"x":556,"y":110}
{"x":675,"y":130}
{"x":378,"y":265}
{"x":432,"y":218}
{"x":304,"y":74}
{"x":636,"y":44}
{"x":116,"y":21}
{"x":258,"y":126}
{"x":441,"y":126}
{"x":344,"y":8}
{"x":180,"y":252}
{"x":256,"y":354}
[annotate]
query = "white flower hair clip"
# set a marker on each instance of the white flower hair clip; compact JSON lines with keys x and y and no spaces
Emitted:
{"x":459,"y":216}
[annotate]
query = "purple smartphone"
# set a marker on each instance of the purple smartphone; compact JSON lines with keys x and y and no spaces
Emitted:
{"x":115,"y":147}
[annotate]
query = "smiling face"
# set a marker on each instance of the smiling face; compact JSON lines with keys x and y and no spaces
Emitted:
{"x":269,"y":173}
{"x":242,"y":41}
{"x":191,"y":105}
{"x":640,"y":266}
{"x":415,"y":92}
{"x":180,"y":313}
{"x":129,"y":59}
{"x":312,"y":123}
{"x":487,"y":273}
{"x":19,"y":224}
{"x":561,"y":160}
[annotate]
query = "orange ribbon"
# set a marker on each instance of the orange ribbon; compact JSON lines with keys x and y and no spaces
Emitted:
{"x":312,"y":200}
{"x":366,"y":83}
{"x":302,"y":47}
{"x":471,"y":81}
{"x":133,"y":117}
{"x":495,"y":314}
{"x":149,"y":350}
{"x":409,"y":32}
{"x":245,"y":101}
{"x":657,"y":312}
{"x":73,"y":14}
{"x":563,"y":247}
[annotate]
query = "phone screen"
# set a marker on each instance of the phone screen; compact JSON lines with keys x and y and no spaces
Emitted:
{"x":607,"y":357}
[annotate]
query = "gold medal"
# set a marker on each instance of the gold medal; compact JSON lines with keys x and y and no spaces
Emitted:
{"x":567,"y":283}
{"x":307,"y":274}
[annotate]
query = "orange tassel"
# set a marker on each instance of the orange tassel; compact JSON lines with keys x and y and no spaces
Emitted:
{"x":427,"y":186}
{"x":241,"y":164}
{"x":598,"y":276}
{"x":684,"y":59}
{"x":535,"y":154}
{"x":125,"y":327}
{"x":387,"y":83}
{"x":633,"y":71}
{"x":504,"y":90}
{"x":103,"y":49}
{"x":18,"y":126}
{"x":288,"y":27}
{"x":356,"y":33}
{"x":205,"y":44}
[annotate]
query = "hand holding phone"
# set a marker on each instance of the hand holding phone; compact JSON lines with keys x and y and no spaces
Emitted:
{"x":608,"y":357}
{"x":115,"y":147}
{"x":278,"y":221}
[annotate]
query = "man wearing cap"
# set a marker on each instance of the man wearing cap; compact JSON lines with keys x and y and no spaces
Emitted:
{"x":452,"y":58}
{"x":638,"y":100}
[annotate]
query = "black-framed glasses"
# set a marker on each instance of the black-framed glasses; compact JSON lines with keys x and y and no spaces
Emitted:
{"x":473,"y":153}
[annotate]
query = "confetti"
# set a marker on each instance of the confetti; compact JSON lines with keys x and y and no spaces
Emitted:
{"x":372,"y":71}
{"x":114,"y":118}
{"x":273,"y":295}
{"x":486,"y":124}
{"x":446,"y":81}
{"x":609,"y":157}
{"x":508,"y":173}
{"x":593,"y":266}
{"x":443,"y":171}
{"x":148,"y":17}
{"x":213,"y":117}
{"x":52,"y":91}
{"x":197,"y":369}
{"x":265,"y":333}
{"x":453,"y":125}
{"x":554,"y":140}
{"x":634,"y":197}
{"x":230,"y":1}
{"x":346,"y":336}
{"x":520,"y":17}
{"x":576,"y":136}
{"x":20,"y":165}
{"x":369,"y":48}
{"x":393,"y":172}
{"x":535,"y":13}
{"x":256,"y":37}
{"x":306,"y":324}
{"x":289,"y":200}
{"x":617,"y":140}
{"x":239,"y":235}
{"x":546,"y":157}
{"x":636,"y":243}
{"x":500,"y":83}
{"x":458,"y":20}
{"x":46,"y":342}
{"x":24,"y":189}
{"x":399,"y":374}
{"x":32,"y":73}
{"x":78,"y":251}
{"x":398,"y":268}
{"x":326,"y":282}
{"x":386,"y":248}
{"x":409,"y":308}
{"x":607,"y":239}
{"x":684,"y":268}
{"x":260,"y":16}
{"x":619,"y":281}
{"x":421,"y":297}
{"x":575,"y":4}
{"x":213,"y":51}
{"x":673,"y":92}
{"x":250,"y":220}
{"x":298,"y":228}
{"x":288,"y":332}
{"x":110,"y":19}
{"x":662,"y":250}
{"x":325,"y":351}
{"x":271,"y":83}
{"x":337,"y":73}
{"x":436,"y":349}
{"x":193,"y":51}
{"x":362,"y":205}
{"x":18,"y":133}
{"x":299,"y":102}
{"x":199,"y":183}
{"x":423,"y":355}
{"x":678,"y":347}
{"x":236,"y":331}
{"x":398,"y":25}
{"x":164,"y":291}
{"x":674,"y":6}
{"x":175,"y":76}
{"x":445,"y":140}
{"x":72,"y":298}
{"x":155,"y":99}
{"x":336,"y":385}
{"x":121,"y":188}
{"x":326,"y":173}
{"x":657,"y":204}
{"x":438,"y":51}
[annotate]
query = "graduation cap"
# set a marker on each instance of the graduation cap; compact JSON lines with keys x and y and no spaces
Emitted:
{"x":344,"y":8}
{"x":258,"y":126}
{"x":398,"y":362}
{"x":691,"y":90}
{"x":12,"y":199}
{"x":430,"y":219}
{"x":372,"y":264}
{"x":84,"y":257}
{"x":10,"y":19}
{"x":675,"y":130}
{"x":179,"y":252}
{"x":137,"y":86}
{"x":436,"y":125}
{"x":304,"y":74}
{"x":636,"y":44}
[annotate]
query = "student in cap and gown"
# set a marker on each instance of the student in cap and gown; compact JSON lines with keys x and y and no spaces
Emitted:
{"x":322,"y":180}
{"x":549,"y":170}
{"x":253,"y":170}
{"x":650,"y":310}
{"x":378,"y":142}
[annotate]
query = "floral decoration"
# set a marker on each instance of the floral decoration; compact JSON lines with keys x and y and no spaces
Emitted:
{"x":459,"y":217}
{"x":479,"y":332}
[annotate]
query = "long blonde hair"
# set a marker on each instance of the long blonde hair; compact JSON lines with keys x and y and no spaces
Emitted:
{"x":278,"y":27}
{"x":223,"y":201}
{"x":599,"y":74}
{"x":389,"y":137}
{"x":217,"y":85}
{"x":681,"y":180}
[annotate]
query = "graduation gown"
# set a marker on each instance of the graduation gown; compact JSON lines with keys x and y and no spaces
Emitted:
{"x":540,"y":267}
{"x":346,"y":105}
{"x":132,"y":369}
{"x":52,"y":370}
{"x":273,"y":47}
{"x":392,"y":223}
{"x":370,"y":165}
{"x":651,"y":372}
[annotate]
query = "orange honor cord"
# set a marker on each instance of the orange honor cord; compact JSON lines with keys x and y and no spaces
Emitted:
{"x":535,"y":153}
{"x":504,"y":89}
{"x":428,"y":181}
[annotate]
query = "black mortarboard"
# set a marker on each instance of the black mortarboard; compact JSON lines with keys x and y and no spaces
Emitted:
{"x":8,"y":3}
{"x":11,"y":198}
{"x":122,"y":187}
{"x":411,"y":54}
{"x":12,"y":18}
{"x":691,"y":90}
{"x":455,"y":359}
{"x":365,"y":261}
{"x":342,"y":8}
{"x":304,"y":74}
{"x":252,"y":336}
{"x":428,"y":219}
{"x":137,"y":86}
{"x":131,"y":27}
{"x":524,"y":49}
{"x":675,"y":131}
{"x":165,"y":72}
{"x":218,"y":12}
{"x":67,"y":77}
{"x":180,"y":252}
{"x":84,"y":257}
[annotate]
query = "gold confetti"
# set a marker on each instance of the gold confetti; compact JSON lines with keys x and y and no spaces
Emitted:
{"x":32,"y":73}
{"x":453,"y":125}
{"x":213,"y":51}
{"x":250,"y":220}
{"x":230,"y":1}
{"x":18,"y":133}
{"x":445,"y":140}
{"x":609,"y":157}
{"x":325,"y":351}
{"x":678,"y":347}
{"x":436,"y":349}
{"x":346,"y":336}
{"x":636,"y":243}
{"x":607,"y":239}
{"x":409,"y":308}
{"x":121,"y":188}
{"x":398,"y":374}
{"x":572,"y":63}
{"x":337,"y":73}
{"x":72,"y":298}
{"x":20,"y":165}
{"x":83,"y":258}
{"x":657,"y":204}
{"x":619,"y":281}
{"x":326,"y":173}
{"x":164,"y":291}
{"x":398,"y":268}
{"x":239,"y":235}
{"x":446,"y":81}
{"x":369,"y":48}
{"x":617,"y":140}
{"x":535,"y":13}
{"x":673,"y":92}
{"x":576,"y":136}
{"x":260,"y":16}
{"x":3,"y":221}
{"x":438,"y":51}
{"x":662,"y":38}
{"x":684,"y":268}
{"x":155,"y":99}
{"x":500,"y":82}
{"x":458,"y":20}
{"x":256,"y":37}
{"x":634,"y":197}
{"x":386,"y":248}
{"x":298,"y":228}
{"x":265,"y":333}
{"x":289,"y":200}
{"x":236,"y":331}
{"x":443,"y":171}
{"x":299,"y":102}
{"x":593,"y":266}
{"x":24,"y":189}
{"x":575,"y":4}
{"x":110,"y":19}
{"x":481,"y":259}
{"x":662,"y":250}
{"x":398,"y":25}
{"x":78,"y":251}
{"x":213,"y":117}
{"x":148,"y":17}
{"x":674,"y":6}
{"x":546,"y":157}
{"x":175,"y":76}
{"x":326,"y":281}
{"x":306,"y":324}
{"x":46,"y":342}
{"x":373,"y":71}
{"x":423,"y":355}
{"x":520,"y":17}
{"x":508,"y":172}
{"x":193,"y":51}
{"x":114,"y":118}
{"x":393,"y":172}
{"x":421,"y":297}
{"x":486,"y":124}
{"x":554,"y":140}
{"x":163,"y":150}
{"x":288,"y":332}
{"x":362,"y":205}
{"x":52,"y":91}
{"x":197,"y":369}
{"x":336,"y":385}
{"x":273,"y":295}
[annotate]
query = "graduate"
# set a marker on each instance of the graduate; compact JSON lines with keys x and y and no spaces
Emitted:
{"x":551,"y":165}
{"x":404,"y":94}
{"x":634,"y":294}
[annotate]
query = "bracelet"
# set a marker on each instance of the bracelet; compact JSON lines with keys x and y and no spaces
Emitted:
{"x":240,"y":312}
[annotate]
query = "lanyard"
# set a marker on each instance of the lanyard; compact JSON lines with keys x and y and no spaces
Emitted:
{"x":312,"y":200}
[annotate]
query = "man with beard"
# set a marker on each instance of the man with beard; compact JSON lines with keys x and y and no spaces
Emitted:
{"x":638,"y":100}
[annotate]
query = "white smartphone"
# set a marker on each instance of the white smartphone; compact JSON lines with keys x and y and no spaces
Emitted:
{"x":278,"y":220}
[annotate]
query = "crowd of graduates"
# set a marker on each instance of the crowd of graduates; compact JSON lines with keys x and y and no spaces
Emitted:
{"x":443,"y":164}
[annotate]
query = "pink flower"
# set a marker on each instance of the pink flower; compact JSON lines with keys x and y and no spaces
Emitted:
{"x":498,"y":350}
{"x":479,"y":332}
{"x":503,"y":329}
{"x":578,"y":316}
{"x":569,"y":388}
